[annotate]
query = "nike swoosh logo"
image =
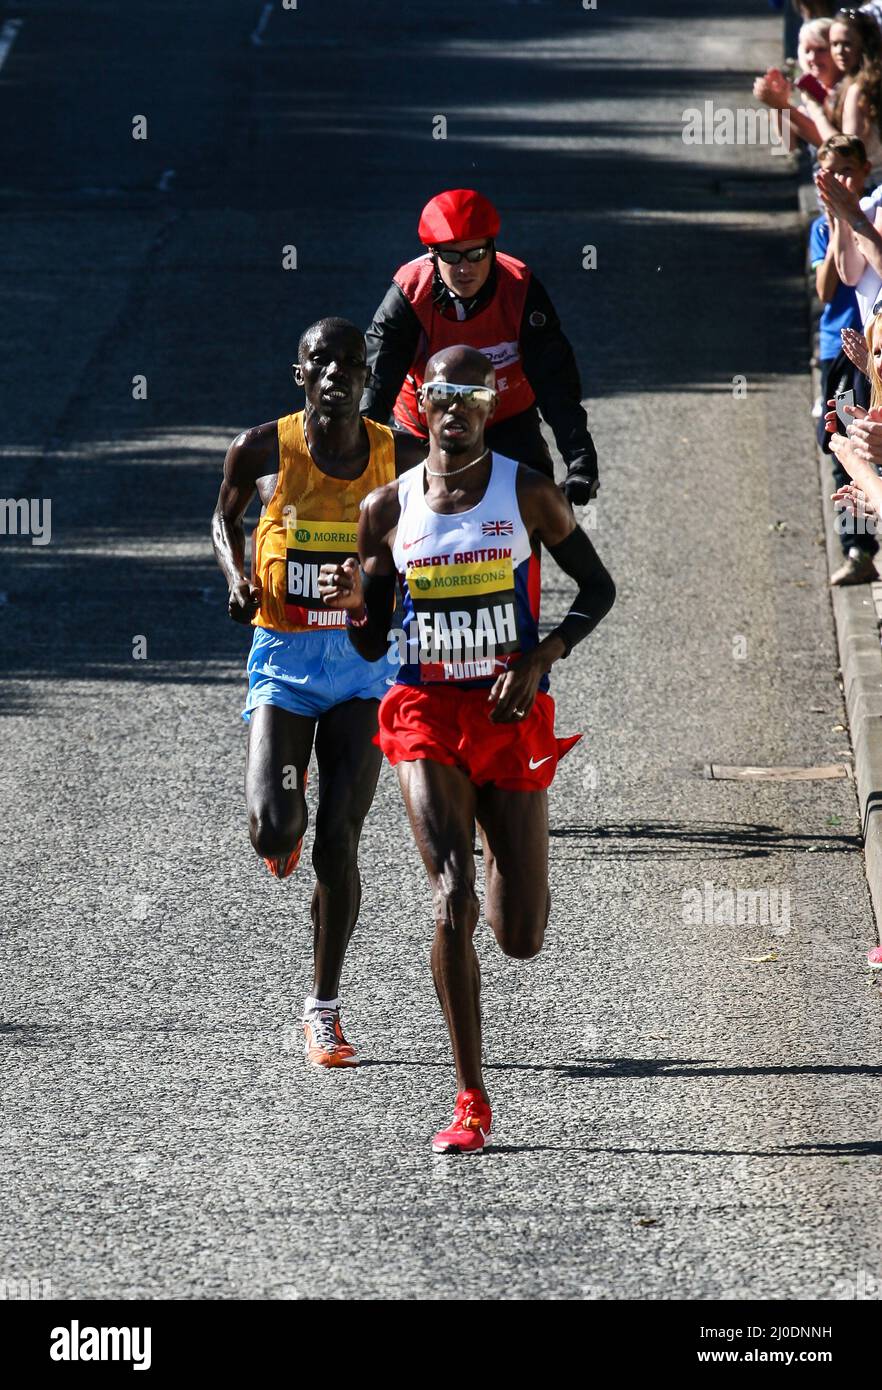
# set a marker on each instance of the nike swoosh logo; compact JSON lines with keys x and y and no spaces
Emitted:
{"x":407,"y":544}
{"x":296,"y":680}
{"x":533,"y":766}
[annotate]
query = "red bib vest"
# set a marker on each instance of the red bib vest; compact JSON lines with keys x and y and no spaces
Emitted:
{"x":495,"y":331}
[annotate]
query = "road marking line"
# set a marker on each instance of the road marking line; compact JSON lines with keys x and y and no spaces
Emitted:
{"x":8,"y":35}
{"x":718,"y":772}
{"x":260,"y":28}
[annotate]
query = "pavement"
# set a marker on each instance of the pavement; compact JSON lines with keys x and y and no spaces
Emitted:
{"x":687,"y":1106}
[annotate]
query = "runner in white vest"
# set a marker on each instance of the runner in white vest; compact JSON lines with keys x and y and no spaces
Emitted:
{"x":469,"y":723}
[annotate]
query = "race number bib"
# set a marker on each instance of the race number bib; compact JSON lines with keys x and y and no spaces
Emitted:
{"x":465,"y":619}
{"x":308,"y":546}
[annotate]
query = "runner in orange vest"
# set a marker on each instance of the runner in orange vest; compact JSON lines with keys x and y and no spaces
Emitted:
{"x":307,"y":687}
{"x":464,"y":291}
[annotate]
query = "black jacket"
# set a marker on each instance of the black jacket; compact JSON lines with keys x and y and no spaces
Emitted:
{"x":547,"y":358}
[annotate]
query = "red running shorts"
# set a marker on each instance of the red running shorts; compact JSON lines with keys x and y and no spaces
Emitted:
{"x":452,"y":725}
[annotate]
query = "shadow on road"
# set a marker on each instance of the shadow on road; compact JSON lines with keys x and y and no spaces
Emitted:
{"x":678,"y":840}
{"x":856,"y":1149}
{"x":642,"y":1068}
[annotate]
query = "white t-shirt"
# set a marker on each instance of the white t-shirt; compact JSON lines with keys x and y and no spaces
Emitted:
{"x":869,"y":287}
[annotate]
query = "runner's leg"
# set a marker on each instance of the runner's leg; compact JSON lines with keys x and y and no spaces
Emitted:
{"x":440,"y":803}
{"x":278,"y":741}
{"x":349,"y":766}
{"x":514,"y":830}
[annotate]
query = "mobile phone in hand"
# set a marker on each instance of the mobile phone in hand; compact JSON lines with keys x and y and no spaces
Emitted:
{"x":844,"y":398}
{"x":812,"y":88}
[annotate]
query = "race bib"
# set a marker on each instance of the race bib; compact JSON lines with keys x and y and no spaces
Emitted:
{"x":465,"y":624}
{"x":308,"y":546}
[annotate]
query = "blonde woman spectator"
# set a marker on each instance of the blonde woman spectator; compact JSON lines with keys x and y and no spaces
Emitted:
{"x":777,"y":92}
{"x":813,"y":52}
{"x":853,"y":106}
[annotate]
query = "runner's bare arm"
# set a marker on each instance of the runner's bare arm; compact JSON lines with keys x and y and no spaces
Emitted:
{"x":370,"y":591}
{"x":252,"y":455}
{"x":548,"y":517}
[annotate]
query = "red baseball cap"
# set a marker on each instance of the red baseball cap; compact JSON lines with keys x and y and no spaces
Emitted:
{"x":457,"y":214}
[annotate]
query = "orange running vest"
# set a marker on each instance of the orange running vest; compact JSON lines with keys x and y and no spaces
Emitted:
{"x":495,"y":331}
{"x":309,"y":521}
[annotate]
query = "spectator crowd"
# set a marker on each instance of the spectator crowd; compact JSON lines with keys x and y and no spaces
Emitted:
{"x":829,"y":99}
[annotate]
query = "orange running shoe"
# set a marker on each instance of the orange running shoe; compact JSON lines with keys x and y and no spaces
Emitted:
{"x":325,"y":1044}
{"x":472,"y":1118}
{"x":280,"y":870}
{"x":275,"y":866}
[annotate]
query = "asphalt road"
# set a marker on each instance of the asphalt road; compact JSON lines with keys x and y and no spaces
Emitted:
{"x":679,"y":1116}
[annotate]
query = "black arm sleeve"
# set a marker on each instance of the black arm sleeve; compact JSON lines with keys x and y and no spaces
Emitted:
{"x":392,"y":341}
{"x":577,"y":557}
{"x":372,"y":640}
{"x":550,"y":368}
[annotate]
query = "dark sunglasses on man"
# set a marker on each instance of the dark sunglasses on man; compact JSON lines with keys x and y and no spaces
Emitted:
{"x":477,"y":253}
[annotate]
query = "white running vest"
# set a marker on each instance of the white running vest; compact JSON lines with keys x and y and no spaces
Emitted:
{"x":470,"y":583}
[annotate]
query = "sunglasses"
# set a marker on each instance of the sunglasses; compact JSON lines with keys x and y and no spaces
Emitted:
{"x":441,"y":392}
{"x":477,"y":253}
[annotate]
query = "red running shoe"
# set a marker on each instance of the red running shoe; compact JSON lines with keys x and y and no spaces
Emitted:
{"x":278,"y":869}
{"x":275,"y":866}
{"x":472,"y":1117}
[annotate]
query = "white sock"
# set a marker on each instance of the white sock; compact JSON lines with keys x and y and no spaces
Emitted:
{"x":311,"y":1003}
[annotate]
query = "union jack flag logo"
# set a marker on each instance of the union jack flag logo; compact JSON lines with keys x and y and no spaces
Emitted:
{"x":497,"y":528}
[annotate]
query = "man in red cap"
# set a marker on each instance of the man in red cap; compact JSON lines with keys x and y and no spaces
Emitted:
{"x":464,"y":291}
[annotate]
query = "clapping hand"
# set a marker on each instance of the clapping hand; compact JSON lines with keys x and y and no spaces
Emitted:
{"x":855,"y":501}
{"x":865,"y":435}
{"x":838,"y":199}
{"x":773,"y":89}
{"x":854,"y":345}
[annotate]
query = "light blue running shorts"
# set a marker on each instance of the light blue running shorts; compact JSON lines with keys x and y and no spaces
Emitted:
{"x":309,"y":672}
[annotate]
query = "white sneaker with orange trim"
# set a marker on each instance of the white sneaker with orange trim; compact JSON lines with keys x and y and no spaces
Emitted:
{"x":325,"y":1045}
